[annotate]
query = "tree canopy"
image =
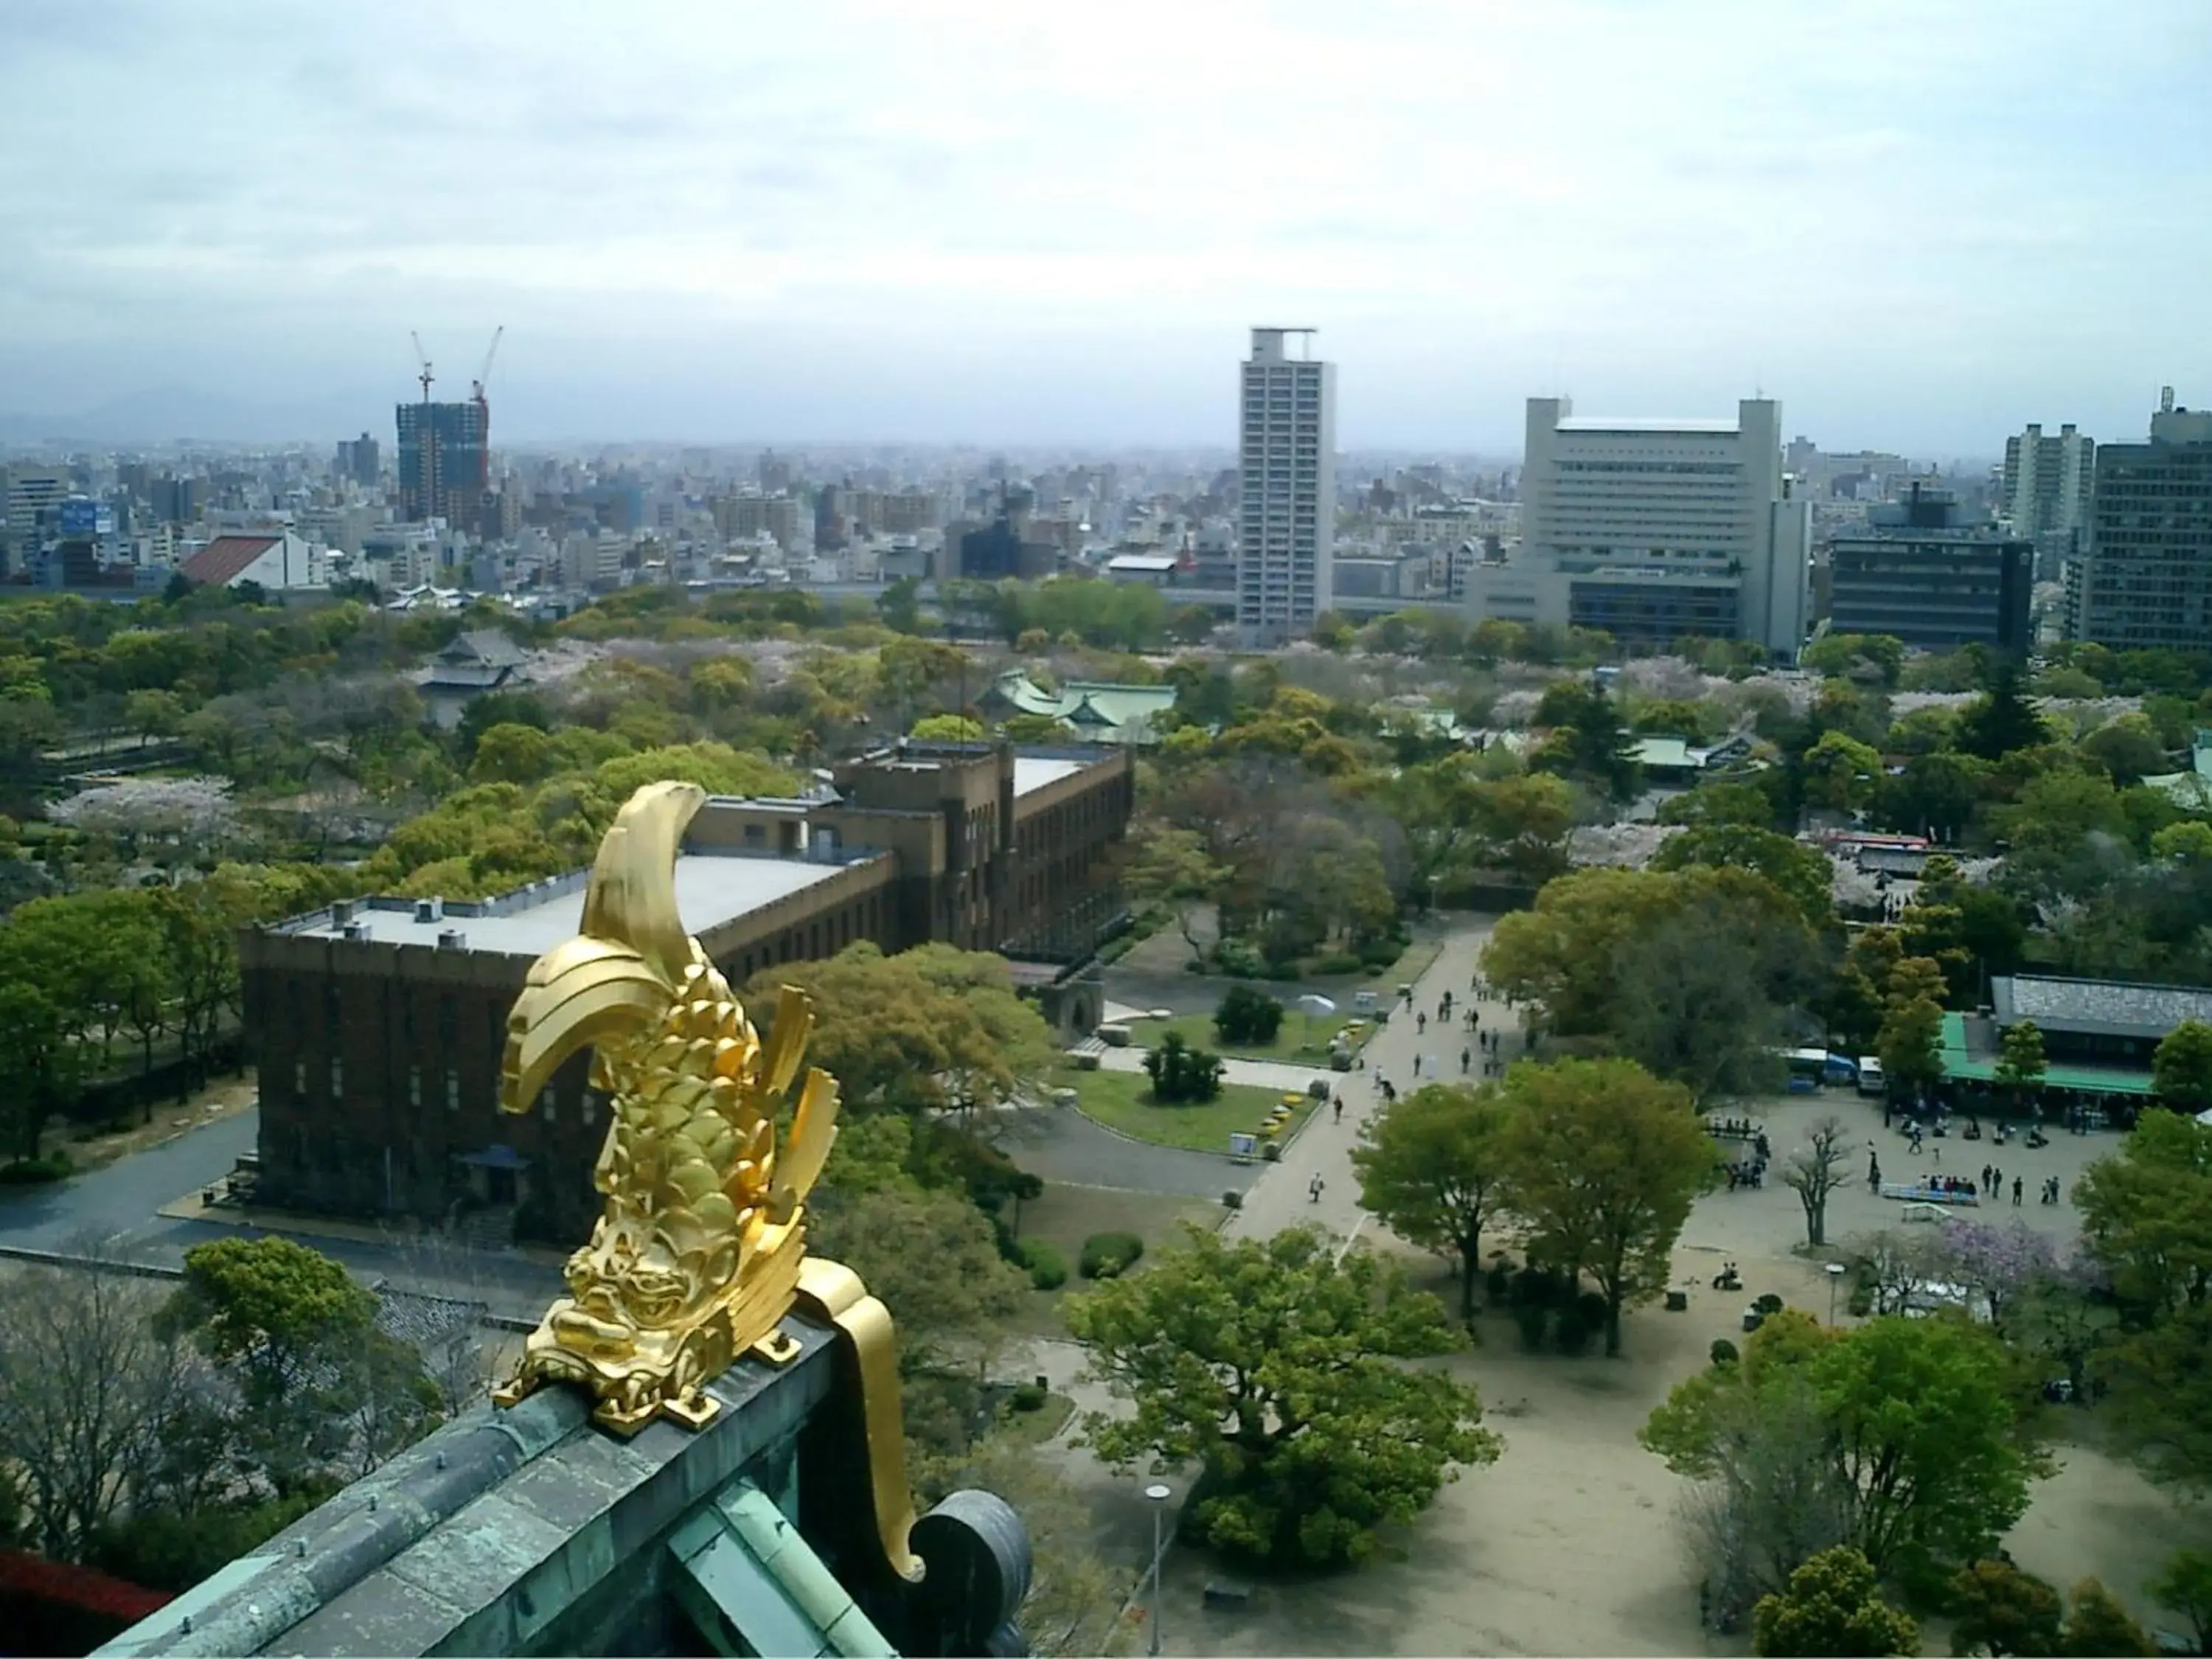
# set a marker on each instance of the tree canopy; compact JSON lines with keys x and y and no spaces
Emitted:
{"x":1276,"y":1367}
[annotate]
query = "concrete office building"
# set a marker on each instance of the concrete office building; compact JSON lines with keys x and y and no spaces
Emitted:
{"x":1286,"y":444}
{"x":1929,"y":573}
{"x":378,"y":1026}
{"x":2144,"y":581}
{"x":1655,"y":531}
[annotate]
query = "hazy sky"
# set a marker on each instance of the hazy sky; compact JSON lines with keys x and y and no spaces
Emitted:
{"x":1919,"y":225}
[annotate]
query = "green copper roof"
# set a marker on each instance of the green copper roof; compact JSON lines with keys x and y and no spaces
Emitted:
{"x":1095,"y":707}
{"x":2092,"y":1079}
{"x":745,"y":1572}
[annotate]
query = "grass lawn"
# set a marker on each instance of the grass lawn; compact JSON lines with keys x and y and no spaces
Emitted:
{"x":1064,"y":1216}
{"x":1123,"y":1101}
{"x":1416,"y":959}
{"x":1291,"y":1045}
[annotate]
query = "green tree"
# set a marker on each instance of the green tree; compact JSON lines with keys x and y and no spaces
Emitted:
{"x":320,"y":1383}
{"x":1170,"y":868}
{"x":1247,"y":1017}
{"x":1602,"y":1162}
{"x":2003,"y":1611}
{"x":1909,"y":1044}
{"x":1803,"y":872}
{"x":1832,"y":1610}
{"x":2181,"y":1068}
{"x":1585,"y":738}
{"x":2099,"y":1627}
{"x":1431,"y":1167}
{"x":2129,"y":748}
{"x":2184,"y":1586}
{"x":38,"y":1059}
{"x":1721,"y":803}
{"x":948,"y":728}
{"x":1924,"y":1433}
{"x":932,"y":1256}
{"x":1278,"y":1367}
{"x":1936,"y":794}
{"x":2002,"y":721}
{"x":1181,"y":1074}
{"x":1038,"y":728}
{"x":512,"y":752}
{"x":1841,"y":772}
{"x":1874,"y":657}
{"x":899,"y":605}
{"x":2021,"y":1064}
{"x":930,"y":1029}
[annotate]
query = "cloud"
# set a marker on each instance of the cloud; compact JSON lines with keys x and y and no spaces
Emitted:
{"x":667,"y":203}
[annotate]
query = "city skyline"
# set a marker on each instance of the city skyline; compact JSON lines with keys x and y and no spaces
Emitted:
{"x":873,"y":223}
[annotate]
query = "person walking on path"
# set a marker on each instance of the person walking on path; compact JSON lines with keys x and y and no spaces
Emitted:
{"x":2016,"y":1190}
{"x":1466,"y":1058}
{"x":1314,"y":1188}
{"x":1340,"y":1107}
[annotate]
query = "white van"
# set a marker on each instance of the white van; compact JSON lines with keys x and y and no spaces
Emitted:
{"x":1869,"y":1075}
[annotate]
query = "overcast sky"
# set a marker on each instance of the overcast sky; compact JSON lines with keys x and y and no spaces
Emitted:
{"x":1919,"y":225}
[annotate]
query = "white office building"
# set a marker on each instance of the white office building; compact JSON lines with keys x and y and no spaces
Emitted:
{"x":1287,"y":428}
{"x":1655,"y":531}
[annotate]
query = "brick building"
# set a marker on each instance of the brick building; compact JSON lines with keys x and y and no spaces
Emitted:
{"x":378,"y":1025}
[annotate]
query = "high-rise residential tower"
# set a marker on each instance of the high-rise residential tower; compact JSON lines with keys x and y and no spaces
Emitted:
{"x":1656,"y":530}
{"x":2047,"y":481}
{"x":1287,"y":437}
{"x":2046,"y":493}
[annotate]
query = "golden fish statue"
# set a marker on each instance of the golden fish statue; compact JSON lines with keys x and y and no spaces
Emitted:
{"x":698,"y":1253}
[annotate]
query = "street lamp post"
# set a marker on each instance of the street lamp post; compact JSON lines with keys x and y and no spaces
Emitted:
{"x":1158,"y":1493}
{"x":1835,"y":1278}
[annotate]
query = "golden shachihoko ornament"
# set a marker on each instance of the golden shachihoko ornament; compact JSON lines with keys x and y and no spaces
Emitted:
{"x":701,"y":1247}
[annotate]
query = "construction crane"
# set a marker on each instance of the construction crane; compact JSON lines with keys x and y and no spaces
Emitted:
{"x":424,"y":374}
{"x":477,"y":386}
{"x":483,"y":410}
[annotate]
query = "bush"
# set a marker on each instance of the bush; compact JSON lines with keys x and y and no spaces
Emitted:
{"x":1723,"y":1352}
{"x":1498,"y":1281}
{"x":1271,"y":1152}
{"x":1029,"y":1397}
{"x":1247,"y":1017}
{"x":1237,"y":959}
{"x":1047,"y":1268}
{"x":1182,"y":1074}
{"x":1232,"y":1201}
{"x":1108,"y":1255}
{"x":1532,"y":1318}
{"x":36,"y":1171}
{"x":1770,"y":1304}
{"x":1591,"y":1306}
{"x":1339,"y":961}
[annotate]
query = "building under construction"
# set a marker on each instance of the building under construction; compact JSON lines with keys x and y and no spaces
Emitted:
{"x":445,"y":451}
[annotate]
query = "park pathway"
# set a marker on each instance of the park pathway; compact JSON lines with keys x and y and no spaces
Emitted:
{"x":1282,"y":1196}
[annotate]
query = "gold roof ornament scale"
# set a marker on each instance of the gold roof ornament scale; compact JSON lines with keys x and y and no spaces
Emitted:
{"x":700,"y":1250}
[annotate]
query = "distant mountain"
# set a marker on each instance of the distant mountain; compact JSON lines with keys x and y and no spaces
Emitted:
{"x":166,"y":414}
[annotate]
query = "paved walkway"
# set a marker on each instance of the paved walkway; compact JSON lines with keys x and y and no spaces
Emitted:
{"x":1282,"y":1196}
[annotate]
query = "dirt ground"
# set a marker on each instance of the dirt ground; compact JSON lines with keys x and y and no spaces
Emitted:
{"x":1567,"y":1543}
